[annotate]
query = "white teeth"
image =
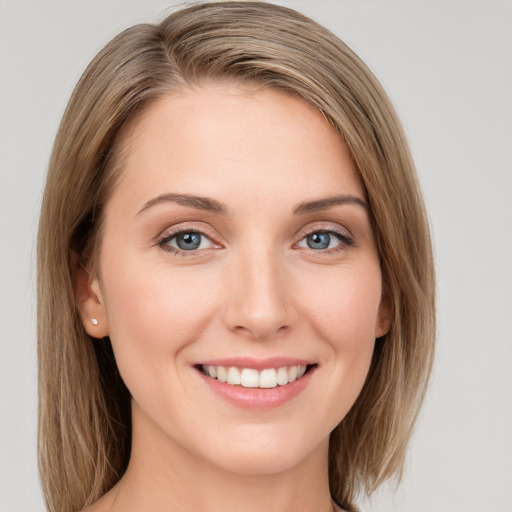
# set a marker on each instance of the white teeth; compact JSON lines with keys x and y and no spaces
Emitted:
{"x":268,"y":378}
{"x":222,"y":374}
{"x":282,"y":376}
{"x":251,"y":378}
{"x":233,"y":376}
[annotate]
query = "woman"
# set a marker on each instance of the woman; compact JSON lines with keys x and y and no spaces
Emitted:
{"x":236,"y":292}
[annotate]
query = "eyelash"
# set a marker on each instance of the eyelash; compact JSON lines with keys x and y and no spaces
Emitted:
{"x":163,"y":242}
{"x":346,"y":242}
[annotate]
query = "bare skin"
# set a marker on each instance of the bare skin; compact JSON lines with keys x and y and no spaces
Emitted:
{"x":273,"y":257}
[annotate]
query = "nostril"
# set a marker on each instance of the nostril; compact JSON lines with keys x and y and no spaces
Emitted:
{"x":259,"y":331}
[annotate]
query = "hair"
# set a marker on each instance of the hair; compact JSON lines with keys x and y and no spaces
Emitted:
{"x":84,"y":407}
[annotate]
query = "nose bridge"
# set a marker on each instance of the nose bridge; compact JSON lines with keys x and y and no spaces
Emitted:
{"x":259,"y":304}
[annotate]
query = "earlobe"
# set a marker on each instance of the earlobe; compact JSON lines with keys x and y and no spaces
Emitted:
{"x":383,"y":324}
{"x":89,"y":301}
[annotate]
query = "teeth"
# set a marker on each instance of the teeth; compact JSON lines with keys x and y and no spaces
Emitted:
{"x":282,"y":376}
{"x":233,"y":376}
{"x":268,"y":378}
{"x":222,"y":374}
{"x":251,"y":378}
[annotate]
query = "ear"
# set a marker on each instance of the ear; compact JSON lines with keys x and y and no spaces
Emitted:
{"x":89,"y":300}
{"x":383,"y":323}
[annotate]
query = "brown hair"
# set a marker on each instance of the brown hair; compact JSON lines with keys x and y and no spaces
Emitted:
{"x":84,"y":407}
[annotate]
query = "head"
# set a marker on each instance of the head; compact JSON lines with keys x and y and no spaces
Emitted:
{"x":85,"y":428}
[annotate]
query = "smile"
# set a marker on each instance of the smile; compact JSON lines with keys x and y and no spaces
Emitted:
{"x":252,"y":378}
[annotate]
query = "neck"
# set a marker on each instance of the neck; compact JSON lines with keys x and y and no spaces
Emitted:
{"x":163,"y":475}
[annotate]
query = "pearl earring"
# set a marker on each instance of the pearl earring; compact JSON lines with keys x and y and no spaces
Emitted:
{"x":94,"y":321}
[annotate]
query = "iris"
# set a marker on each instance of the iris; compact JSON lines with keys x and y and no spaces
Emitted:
{"x":188,"y":241}
{"x":319,"y":240}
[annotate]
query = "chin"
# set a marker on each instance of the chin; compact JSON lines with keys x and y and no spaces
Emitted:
{"x":267,"y":464}
{"x":265,"y":454}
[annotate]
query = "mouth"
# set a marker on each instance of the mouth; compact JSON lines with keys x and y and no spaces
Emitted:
{"x":257,"y":384}
{"x":266,"y":378}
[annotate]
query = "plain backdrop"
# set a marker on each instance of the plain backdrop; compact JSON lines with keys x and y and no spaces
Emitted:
{"x":447,"y":65}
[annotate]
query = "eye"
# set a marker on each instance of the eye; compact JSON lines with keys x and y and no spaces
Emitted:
{"x":325,"y":240}
{"x":186,"y":241}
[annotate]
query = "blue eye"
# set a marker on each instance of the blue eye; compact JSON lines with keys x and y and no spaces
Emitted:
{"x":318,"y":240}
{"x":323,"y":240}
{"x":186,"y":241}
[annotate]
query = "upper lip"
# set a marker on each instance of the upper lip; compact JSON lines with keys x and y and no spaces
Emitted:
{"x":257,"y":364}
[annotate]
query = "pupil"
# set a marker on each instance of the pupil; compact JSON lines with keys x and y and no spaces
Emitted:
{"x":188,"y":241}
{"x":319,"y":240}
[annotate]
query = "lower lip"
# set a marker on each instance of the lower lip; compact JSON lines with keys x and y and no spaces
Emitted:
{"x":258,"y":398}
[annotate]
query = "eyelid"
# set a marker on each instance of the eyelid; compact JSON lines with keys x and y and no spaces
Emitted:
{"x":184,"y":227}
{"x":325,"y":227}
{"x":343,"y":234}
{"x":187,"y":227}
{"x":167,"y":241}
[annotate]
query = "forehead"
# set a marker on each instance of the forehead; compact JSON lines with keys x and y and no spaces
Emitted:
{"x":227,"y":141}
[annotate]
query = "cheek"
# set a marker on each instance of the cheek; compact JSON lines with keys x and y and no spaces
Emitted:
{"x":344,"y":307}
{"x":153,"y":314}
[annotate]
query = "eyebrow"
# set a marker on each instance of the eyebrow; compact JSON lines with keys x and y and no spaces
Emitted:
{"x":197,"y":202}
{"x":328,"y":202}
{"x":212,"y":205}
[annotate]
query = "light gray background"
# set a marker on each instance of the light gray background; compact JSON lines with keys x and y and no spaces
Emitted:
{"x":447,"y":65}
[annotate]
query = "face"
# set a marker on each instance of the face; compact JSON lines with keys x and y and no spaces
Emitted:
{"x":238,"y":279}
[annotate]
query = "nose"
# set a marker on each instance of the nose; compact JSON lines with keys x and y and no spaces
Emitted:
{"x":260,"y":300}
